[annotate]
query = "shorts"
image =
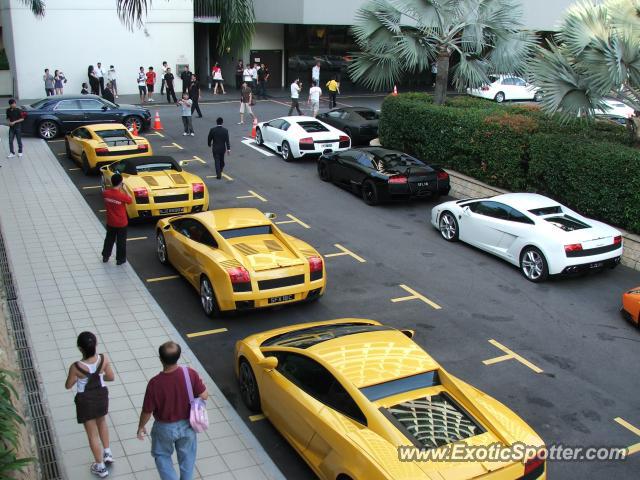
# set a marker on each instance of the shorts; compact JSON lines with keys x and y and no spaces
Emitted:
{"x":92,"y":404}
{"x":150,"y":87}
{"x":142,"y":89}
{"x":218,"y":80}
{"x":245,"y":107}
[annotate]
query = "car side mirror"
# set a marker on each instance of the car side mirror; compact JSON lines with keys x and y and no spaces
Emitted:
{"x":466,"y":211}
{"x":268,"y":363}
{"x":409,"y":333}
{"x":266,"y":125}
{"x":270,"y":215}
{"x":105,"y":108}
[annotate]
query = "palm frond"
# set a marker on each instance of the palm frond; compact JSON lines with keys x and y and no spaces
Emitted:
{"x":237,"y":24}
{"x":37,"y":7}
{"x":511,"y":51}
{"x":470,"y":72}
{"x":585,"y":23}
{"x":377,"y":72}
{"x":133,"y":12}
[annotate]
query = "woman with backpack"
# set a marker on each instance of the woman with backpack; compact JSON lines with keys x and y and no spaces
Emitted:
{"x":92,"y":399}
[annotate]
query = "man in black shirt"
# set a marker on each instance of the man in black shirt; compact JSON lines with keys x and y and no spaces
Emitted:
{"x":219,"y":142}
{"x":168,"y":84}
{"x":14,"y":119}
{"x":194,"y":95}
{"x":185,"y":76}
{"x":263,"y":76}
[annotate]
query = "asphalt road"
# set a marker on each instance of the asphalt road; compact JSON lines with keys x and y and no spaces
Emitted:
{"x":570,"y":328}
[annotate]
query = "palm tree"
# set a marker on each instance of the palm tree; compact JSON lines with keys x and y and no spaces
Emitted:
{"x":597,"y":55}
{"x":397,"y":36}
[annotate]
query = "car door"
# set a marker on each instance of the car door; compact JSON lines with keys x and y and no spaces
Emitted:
{"x":507,"y":87}
{"x":95,"y":111}
{"x":195,"y":250}
{"x":518,"y":231}
{"x":345,"y":168}
{"x":521,"y":90}
{"x":69,"y":114}
{"x":270,"y":132}
{"x":335,"y":118}
{"x":79,"y":137}
{"x":482,"y":224}
{"x":176,"y":240}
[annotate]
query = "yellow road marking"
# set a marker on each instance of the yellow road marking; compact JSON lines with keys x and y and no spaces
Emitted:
{"x":257,"y":418}
{"x":254,"y":195}
{"x":344,"y":251}
{"x":173,"y":145}
{"x":101,"y":211}
{"x":92,"y":187}
{"x":224,"y":175}
{"x":631,"y":449}
{"x":133,"y":239}
{"x":510,"y":355}
{"x":62,"y":154}
{"x":293,"y":220}
{"x":161,"y":279}
{"x":74,"y":169}
{"x":156,"y":133}
{"x":415,"y":296}
{"x":194,"y":159}
{"x":206,"y":332}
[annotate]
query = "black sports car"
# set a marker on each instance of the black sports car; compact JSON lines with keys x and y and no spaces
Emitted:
{"x":52,"y":116}
{"x":360,"y":123}
{"x":379,"y":174}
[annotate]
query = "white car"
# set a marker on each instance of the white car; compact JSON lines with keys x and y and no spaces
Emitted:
{"x":531,"y":231}
{"x":615,"y":110}
{"x":507,"y":87}
{"x":297,"y":137}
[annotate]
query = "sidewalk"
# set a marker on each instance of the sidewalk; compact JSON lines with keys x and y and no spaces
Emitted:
{"x":53,"y":240}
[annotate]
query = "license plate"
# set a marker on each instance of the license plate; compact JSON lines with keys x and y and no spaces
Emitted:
{"x":596,"y":265}
{"x":281,"y":298}
{"x":165,"y":211}
{"x":423,"y":184}
{"x":326,"y":145}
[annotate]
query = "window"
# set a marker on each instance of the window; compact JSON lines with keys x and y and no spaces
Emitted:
{"x":245,"y":232}
{"x":313,"y":127}
{"x":115,"y":133}
{"x":516,"y":216}
{"x":350,"y":157}
{"x":540,"y":212}
{"x":397,"y":159}
{"x":82,"y":133}
{"x":366,"y":161}
{"x":335,"y":114}
{"x":519,"y":82}
{"x":368,"y":114}
{"x":90,"y":104}
{"x":490,"y":209}
{"x":154,"y":167}
{"x":277,"y":123}
{"x":118,"y":167}
{"x":195,"y":231}
{"x":308,"y":337}
{"x":401,"y":385}
{"x":285,"y":125}
{"x":67,"y":105}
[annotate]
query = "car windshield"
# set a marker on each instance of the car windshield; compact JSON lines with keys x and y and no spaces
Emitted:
{"x":401,"y":385}
{"x":394,"y":160}
{"x":246,"y":232}
{"x":40,"y":103}
{"x":541,"y":212}
{"x":115,"y":133}
{"x":567,"y":223}
{"x":313,"y":127}
{"x":368,"y":114}
{"x":308,"y":337}
{"x":153,"y":167}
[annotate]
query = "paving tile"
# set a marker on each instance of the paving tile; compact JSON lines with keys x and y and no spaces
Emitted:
{"x":250,"y":473}
{"x":142,"y":461}
{"x":238,"y":460}
{"x":228,"y":444}
{"x":211,"y":465}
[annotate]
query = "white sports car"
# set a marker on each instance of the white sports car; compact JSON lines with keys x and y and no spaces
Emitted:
{"x":297,"y":137}
{"x":536,"y":233}
{"x":507,"y":87}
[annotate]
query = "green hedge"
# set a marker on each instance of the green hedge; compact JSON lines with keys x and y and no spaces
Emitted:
{"x":585,"y":165}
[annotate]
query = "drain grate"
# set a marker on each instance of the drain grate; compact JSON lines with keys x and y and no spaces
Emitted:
{"x":38,"y":415}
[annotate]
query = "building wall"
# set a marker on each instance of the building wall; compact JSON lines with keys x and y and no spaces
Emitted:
{"x":74,"y":34}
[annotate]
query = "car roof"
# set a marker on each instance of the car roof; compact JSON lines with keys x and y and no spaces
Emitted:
{"x":525,"y":201}
{"x":352,"y":109}
{"x":228,"y":218}
{"x":297,"y":118}
{"x":70,"y":97}
{"x":374,"y":357}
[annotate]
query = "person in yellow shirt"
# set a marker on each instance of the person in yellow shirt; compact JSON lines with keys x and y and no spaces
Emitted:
{"x":334,"y":88}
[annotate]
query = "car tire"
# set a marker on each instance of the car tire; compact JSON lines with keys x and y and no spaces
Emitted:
{"x":208,"y":298}
{"x":84,"y":164}
{"x":537,"y":97}
{"x":370,"y":193}
{"x":259,"y":140}
{"x":249,"y":390}
{"x":499,"y":98}
{"x":533,"y":265}
{"x":323,"y":171}
{"x":130,"y":120}
{"x":448,"y":226}
{"x":161,"y":249}
{"x":287,"y":156}
{"x":67,"y":149}
{"x":48,"y":129}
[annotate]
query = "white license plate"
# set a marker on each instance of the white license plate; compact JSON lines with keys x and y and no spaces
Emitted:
{"x":596,"y":265}
{"x":423,"y":184}
{"x":166,"y":211}
{"x":281,"y":298}
{"x":326,"y":145}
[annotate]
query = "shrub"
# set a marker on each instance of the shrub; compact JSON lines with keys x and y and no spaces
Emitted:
{"x":10,"y":421}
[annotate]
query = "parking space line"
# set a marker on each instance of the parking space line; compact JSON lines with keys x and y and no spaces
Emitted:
{"x":173,"y":145}
{"x":206,"y":332}
{"x":133,"y":239}
{"x":156,"y":133}
{"x":56,"y":141}
{"x":293,"y":220}
{"x":251,"y":143}
{"x":224,"y":175}
{"x":253,"y":195}
{"x":194,"y":159}
{"x":162,"y":279}
{"x":344,"y":251}
{"x":62,"y":154}
{"x":92,"y":187}
{"x":415,"y":296}
{"x":257,"y":418}
{"x":631,"y":449}
{"x":74,"y":169}
{"x":510,"y":355}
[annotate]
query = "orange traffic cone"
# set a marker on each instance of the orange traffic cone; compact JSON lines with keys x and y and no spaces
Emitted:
{"x":253,"y":129}
{"x":134,"y":129}
{"x":157,"y":124}
{"x":395,"y":90}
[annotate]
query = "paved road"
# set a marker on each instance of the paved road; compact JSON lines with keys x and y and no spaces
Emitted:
{"x":570,"y":328}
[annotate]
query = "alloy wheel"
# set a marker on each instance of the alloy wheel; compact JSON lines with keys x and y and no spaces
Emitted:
{"x":206,"y":296}
{"x":161,"y":248}
{"x":130,"y":121}
{"x":259,"y":137}
{"x":48,"y":130}
{"x":285,"y":151}
{"x":448,"y":227}
{"x":532,"y":265}
{"x":248,"y":386}
{"x":500,"y":97}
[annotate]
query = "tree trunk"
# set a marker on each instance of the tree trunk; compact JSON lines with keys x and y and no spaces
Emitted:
{"x":442,"y":78}
{"x":633,"y":127}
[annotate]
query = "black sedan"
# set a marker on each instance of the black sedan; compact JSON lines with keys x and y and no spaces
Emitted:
{"x":379,"y":174}
{"x":58,"y":114}
{"x":360,"y":123}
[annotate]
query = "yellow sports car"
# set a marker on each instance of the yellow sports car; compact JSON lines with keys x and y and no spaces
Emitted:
{"x":238,"y":259}
{"x":360,"y":400}
{"x":159,"y":186}
{"x":93,"y":146}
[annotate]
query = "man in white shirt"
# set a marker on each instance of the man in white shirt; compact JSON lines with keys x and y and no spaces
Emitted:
{"x":247,"y":75}
{"x":296,"y":86}
{"x":314,"y":98}
{"x":315,"y":73}
{"x":164,"y":71}
{"x":254,"y":77}
{"x":142,"y":84}
{"x":100,"y":74}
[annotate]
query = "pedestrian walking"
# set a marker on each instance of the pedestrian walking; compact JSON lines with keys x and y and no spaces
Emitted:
{"x":85,"y":89}
{"x":59,"y":81}
{"x":194,"y":95}
{"x":314,"y":98}
{"x":218,"y":81}
{"x":163,"y":81}
{"x":167,"y":398}
{"x":92,"y":399}
{"x":14,"y":120}
{"x":49,"y":83}
{"x":185,"y":76}
{"x":94,"y":83}
{"x":218,"y":140}
{"x":246,"y":102}
{"x":315,"y":73}
{"x":263,"y":76}
{"x":150,"y":84}
{"x":168,"y":83}
{"x":239,"y":70}
{"x":108,"y":93}
{"x":185,"y":104}
{"x":334,"y":89}
{"x":296,"y":87}
{"x":142,"y":84}
{"x":100,"y":73}
{"x":115,"y":201}
{"x":113,"y":78}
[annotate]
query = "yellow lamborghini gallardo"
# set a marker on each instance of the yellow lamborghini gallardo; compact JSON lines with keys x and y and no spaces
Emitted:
{"x":93,"y":146}
{"x":158,"y":186}
{"x":361,"y":400}
{"x":238,"y":259}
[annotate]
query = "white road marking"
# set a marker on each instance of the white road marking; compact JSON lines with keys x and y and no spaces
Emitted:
{"x":251,"y":143}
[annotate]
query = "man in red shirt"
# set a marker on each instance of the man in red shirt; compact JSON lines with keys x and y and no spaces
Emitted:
{"x":167,"y":400}
{"x":117,"y":221}
{"x":151,"y":81}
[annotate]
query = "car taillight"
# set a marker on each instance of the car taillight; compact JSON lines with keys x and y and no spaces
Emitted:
{"x":143,"y":146}
{"x":398,"y":179}
{"x":306,"y":141}
{"x":101,"y":150}
{"x":198,"y":187}
{"x":617,"y":240}
{"x":442,"y":176}
{"x":141,"y":192}
{"x":238,"y":275}
{"x":574,"y":247}
{"x":315,"y":264}
{"x":532,"y":465}
{"x":344,"y":138}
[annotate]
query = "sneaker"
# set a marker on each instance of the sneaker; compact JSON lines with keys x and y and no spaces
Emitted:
{"x":107,"y":458}
{"x":20,"y":154}
{"x":11,"y":155}
{"x":185,"y":134}
{"x":193,"y":134}
{"x":101,"y":472}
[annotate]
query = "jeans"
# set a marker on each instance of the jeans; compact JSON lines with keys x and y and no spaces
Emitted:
{"x":188,"y":125}
{"x":15,"y":132}
{"x":166,"y":436}
{"x":117,"y":235}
